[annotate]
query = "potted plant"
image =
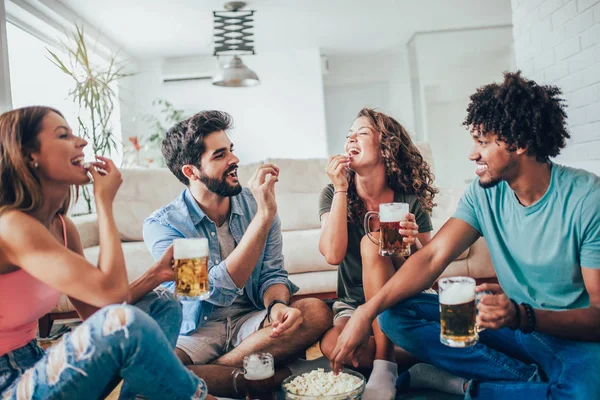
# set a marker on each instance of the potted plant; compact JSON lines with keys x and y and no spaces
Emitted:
{"x":146,"y":150}
{"x":93,"y":91}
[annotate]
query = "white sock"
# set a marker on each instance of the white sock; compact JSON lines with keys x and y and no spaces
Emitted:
{"x":382,"y":383}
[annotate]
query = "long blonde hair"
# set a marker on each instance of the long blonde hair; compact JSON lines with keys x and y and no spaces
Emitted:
{"x":20,"y":188}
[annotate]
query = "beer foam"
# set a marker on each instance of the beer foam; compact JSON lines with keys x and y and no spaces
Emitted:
{"x":392,"y":212}
{"x":457,"y":293}
{"x":256,"y":369}
{"x":190,"y":248}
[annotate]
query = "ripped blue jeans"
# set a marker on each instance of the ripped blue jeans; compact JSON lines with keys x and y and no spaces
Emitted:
{"x":505,"y":364}
{"x":118,"y":340}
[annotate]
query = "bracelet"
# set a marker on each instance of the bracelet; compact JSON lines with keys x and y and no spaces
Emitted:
{"x":517,"y":316}
{"x":341,"y":191}
{"x":530,"y":313}
{"x":271,"y":306}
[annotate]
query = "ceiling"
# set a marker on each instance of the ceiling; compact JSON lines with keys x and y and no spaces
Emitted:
{"x":178,"y":28}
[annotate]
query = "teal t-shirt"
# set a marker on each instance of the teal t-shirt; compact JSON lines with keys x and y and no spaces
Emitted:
{"x":538,"y":251}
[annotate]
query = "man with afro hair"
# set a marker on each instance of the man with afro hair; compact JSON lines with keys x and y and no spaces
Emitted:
{"x":540,"y":325}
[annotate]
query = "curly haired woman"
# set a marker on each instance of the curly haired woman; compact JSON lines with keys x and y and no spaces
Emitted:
{"x":381,"y":164}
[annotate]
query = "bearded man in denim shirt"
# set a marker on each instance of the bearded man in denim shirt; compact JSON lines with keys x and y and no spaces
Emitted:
{"x":246,"y":273}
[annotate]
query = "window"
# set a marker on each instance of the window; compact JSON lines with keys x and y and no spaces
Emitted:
{"x":35,"y":80}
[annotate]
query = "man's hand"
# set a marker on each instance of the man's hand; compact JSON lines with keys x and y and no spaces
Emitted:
{"x":353,"y":340}
{"x":495,"y":310}
{"x":284,"y":320}
{"x":263,"y":189}
{"x":163,"y":269}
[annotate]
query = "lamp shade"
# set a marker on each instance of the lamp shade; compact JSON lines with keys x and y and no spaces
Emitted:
{"x":236,"y":74}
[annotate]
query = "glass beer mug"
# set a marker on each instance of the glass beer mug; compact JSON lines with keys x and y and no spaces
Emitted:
{"x":259,"y":373}
{"x":457,"y":311}
{"x":391,"y":242}
{"x":191,"y":268}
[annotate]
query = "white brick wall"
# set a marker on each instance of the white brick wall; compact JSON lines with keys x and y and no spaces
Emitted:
{"x":558,"y":42}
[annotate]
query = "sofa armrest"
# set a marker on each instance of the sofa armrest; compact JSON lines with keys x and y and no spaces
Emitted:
{"x":479,"y":260}
{"x":87,"y":225}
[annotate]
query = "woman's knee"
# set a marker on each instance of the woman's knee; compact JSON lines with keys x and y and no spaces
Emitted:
{"x":368,"y":249}
{"x":125,"y":318}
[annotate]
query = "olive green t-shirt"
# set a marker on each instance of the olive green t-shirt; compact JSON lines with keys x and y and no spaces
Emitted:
{"x":350,"y":284}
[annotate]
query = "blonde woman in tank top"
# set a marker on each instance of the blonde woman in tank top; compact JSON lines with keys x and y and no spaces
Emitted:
{"x":41,"y":256}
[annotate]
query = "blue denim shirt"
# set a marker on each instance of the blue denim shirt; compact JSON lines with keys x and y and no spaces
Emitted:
{"x":183,"y":218}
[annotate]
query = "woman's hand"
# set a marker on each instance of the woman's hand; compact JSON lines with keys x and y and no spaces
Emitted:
{"x":409,"y":229}
{"x":163,"y":268}
{"x":107,"y":180}
{"x":336,"y":170}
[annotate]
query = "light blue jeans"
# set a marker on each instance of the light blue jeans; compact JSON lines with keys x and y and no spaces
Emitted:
{"x":505,"y":364}
{"x":118,"y":340}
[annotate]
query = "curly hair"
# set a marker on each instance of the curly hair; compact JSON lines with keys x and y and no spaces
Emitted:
{"x":405,"y":168}
{"x":184,"y":142}
{"x":522,"y":113}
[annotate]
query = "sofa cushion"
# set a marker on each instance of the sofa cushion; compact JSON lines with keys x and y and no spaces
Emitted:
{"x":315,"y":282}
{"x":137,"y":258}
{"x":301,"y":252}
{"x":137,"y":261}
{"x":298,"y":211}
{"x":143,"y":191}
{"x":87,"y":226}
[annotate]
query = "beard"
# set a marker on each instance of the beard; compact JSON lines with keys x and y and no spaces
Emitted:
{"x":506,"y":171}
{"x":489,"y":184}
{"x":220,"y":185}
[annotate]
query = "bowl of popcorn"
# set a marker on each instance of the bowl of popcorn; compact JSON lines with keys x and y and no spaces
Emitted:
{"x":324,"y":385}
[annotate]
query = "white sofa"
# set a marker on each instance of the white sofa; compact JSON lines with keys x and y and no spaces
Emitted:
{"x":301,"y":181}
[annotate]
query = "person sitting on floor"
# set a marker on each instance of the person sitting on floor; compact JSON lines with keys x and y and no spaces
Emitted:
{"x":41,"y":255}
{"x":249,"y":307}
{"x":380,"y":165}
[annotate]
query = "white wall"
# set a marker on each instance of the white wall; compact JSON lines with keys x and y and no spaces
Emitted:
{"x":377,"y":80}
{"x":558,"y":42}
{"x":446,"y":68}
{"x":284,"y":116}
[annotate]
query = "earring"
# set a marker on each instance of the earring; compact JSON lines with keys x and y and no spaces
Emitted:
{"x":36,"y":164}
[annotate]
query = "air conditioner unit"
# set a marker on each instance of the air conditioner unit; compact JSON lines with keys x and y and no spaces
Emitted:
{"x":188,"y":69}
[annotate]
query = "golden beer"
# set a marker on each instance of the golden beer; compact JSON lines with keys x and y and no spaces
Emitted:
{"x":391,"y":242}
{"x":457,"y":312}
{"x":191,"y":268}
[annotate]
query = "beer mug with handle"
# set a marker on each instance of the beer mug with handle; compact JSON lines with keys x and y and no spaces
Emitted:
{"x":259,"y":373}
{"x":391,"y":242}
{"x":191,"y":268}
{"x":457,"y":311}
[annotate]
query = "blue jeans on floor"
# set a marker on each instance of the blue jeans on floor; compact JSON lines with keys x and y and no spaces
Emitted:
{"x":116,"y":340}
{"x":505,"y":364}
